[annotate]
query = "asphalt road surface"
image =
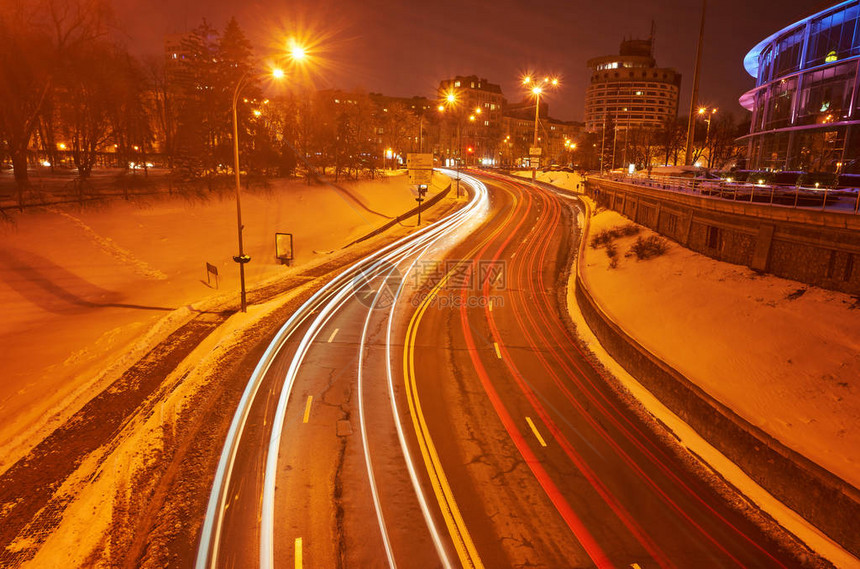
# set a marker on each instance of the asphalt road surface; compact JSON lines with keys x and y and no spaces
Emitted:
{"x":430,"y":408}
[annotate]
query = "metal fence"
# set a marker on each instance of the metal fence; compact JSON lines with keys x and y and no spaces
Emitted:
{"x":841,"y":200}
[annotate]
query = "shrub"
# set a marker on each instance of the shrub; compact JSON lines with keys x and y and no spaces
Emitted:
{"x":607,"y":236}
{"x":612,"y":253}
{"x":629,"y":229}
{"x":761,"y":177}
{"x":823,"y":179}
{"x":600,"y":239}
{"x":649,"y":247}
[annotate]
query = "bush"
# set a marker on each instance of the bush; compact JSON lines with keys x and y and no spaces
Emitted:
{"x":600,"y":239}
{"x":612,"y":253}
{"x":607,"y":236}
{"x":760,"y":177}
{"x":629,"y":229}
{"x":649,"y":247}
{"x":823,"y":179}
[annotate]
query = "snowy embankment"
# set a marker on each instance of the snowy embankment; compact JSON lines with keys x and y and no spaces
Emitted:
{"x":88,"y":292}
{"x":565,"y":180}
{"x":783,"y":355}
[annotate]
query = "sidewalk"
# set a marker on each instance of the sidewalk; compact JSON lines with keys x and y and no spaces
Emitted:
{"x":783,"y":355}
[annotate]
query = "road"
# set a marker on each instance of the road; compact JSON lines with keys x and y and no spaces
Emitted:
{"x":430,"y":408}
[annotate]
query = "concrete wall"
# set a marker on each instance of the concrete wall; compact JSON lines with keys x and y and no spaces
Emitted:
{"x":814,"y":247}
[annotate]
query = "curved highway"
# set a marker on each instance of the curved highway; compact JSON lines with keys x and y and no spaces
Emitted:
{"x":430,"y":408}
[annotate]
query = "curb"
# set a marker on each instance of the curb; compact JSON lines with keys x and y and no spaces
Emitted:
{"x":822,"y":498}
{"x":431,"y":202}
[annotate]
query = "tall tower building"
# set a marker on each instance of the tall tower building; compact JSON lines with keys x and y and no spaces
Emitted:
{"x":629,"y":90}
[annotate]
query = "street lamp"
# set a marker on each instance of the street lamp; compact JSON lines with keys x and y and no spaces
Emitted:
{"x":450,"y":101}
{"x":537,"y":89}
{"x":703,"y":111}
{"x":242,"y":259}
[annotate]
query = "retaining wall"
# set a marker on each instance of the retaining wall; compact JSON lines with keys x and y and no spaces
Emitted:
{"x":815,"y":247}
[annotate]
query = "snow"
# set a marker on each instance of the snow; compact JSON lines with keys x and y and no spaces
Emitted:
{"x":786,"y":363}
{"x":109,"y":477}
{"x":564,"y":180}
{"x":690,"y":439}
{"x":87,"y":292}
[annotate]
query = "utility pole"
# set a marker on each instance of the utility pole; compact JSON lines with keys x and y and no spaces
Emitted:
{"x":535,"y":140}
{"x":602,"y":142}
{"x":691,"y":125}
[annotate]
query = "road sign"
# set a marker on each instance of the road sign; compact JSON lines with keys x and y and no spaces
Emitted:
{"x":535,"y":151}
{"x":284,"y":247}
{"x":420,"y":168}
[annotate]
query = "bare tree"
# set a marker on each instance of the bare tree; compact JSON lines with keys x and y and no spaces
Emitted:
{"x":38,"y":37}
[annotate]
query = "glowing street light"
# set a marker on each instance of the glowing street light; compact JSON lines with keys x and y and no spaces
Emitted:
{"x":710,"y":114}
{"x":537,"y":91}
{"x":297,"y":51}
{"x":276,"y":73}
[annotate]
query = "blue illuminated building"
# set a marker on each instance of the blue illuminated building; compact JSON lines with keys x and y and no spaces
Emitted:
{"x":804,"y":107}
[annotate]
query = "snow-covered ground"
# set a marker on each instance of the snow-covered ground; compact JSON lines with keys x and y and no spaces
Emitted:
{"x":566,"y":180}
{"x":784,"y":355}
{"x":87,"y":292}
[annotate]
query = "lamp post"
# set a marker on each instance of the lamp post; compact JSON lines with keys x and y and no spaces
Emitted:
{"x":243,"y":259}
{"x":537,"y":88}
{"x":449,"y":101}
{"x":710,"y":116}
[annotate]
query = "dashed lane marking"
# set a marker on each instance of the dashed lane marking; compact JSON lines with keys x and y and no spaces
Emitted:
{"x":536,"y":432}
{"x":308,"y":409}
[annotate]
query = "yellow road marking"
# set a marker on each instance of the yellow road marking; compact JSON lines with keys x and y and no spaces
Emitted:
{"x":463,"y":543}
{"x":298,"y":550}
{"x":333,"y":334}
{"x":308,"y":409}
{"x":535,"y":431}
{"x":490,"y":305}
{"x":498,"y":352}
{"x":635,"y":566}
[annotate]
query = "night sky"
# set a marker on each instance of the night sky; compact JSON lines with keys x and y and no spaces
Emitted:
{"x":405,"y":48}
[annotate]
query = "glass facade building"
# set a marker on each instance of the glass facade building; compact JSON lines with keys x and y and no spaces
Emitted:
{"x":805,"y":114}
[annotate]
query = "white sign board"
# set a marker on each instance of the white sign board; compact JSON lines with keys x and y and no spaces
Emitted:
{"x":420,"y":168}
{"x":535,"y":151}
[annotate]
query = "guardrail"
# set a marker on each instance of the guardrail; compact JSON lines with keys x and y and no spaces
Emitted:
{"x":845,"y":201}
